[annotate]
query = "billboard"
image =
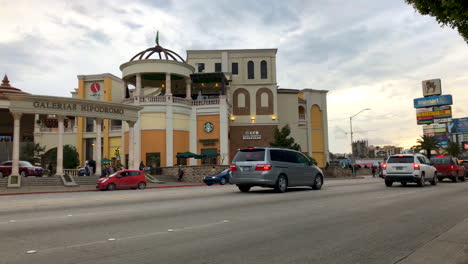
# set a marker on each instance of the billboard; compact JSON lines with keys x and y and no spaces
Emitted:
{"x":431,"y":87}
{"x":435,"y":100}
{"x":458,"y":125}
{"x":429,"y":114}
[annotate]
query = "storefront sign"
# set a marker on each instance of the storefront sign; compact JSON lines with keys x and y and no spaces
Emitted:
{"x":442,"y":120}
{"x":425,"y":122}
{"x":433,"y":101}
{"x":78,"y":107}
{"x":459,"y":125}
{"x":249,"y":135}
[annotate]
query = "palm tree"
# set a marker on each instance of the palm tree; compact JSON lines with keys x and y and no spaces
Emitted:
{"x":428,"y":143}
{"x":453,"y":149}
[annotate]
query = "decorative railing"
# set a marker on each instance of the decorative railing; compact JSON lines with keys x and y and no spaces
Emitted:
{"x":212,"y":101}
{"x":116,"y":128}
{"x":177,"y":100}
{"x":71,"y":172}
{"x":55,"y":129}
{"x":302,"y":117}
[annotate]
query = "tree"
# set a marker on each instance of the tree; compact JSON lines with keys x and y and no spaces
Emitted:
{"x":283,"y":140}
{"x":452,"y":13}
{"x":32,"y":152}
{"x":427,"y":143}
{"x":453,"y":149}
{"x":70,"y":157}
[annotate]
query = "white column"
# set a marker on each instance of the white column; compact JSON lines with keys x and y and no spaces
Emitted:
{"x":122,"y":145}
{"x":188,"y":89}
{"x":16,"y":142}
{"x":223,"y":130}
{"x":137,"y":92}
{"x":137,"y":143}
{"x":124,"y":89}
{"x":168,"y":84}
{"x":36,"y":125}
{"x":169,"y":136}
{"x":98,"y":148}
{"x":60,"y":132}
{"x":193,"y":135}
{"x":131,"y":144}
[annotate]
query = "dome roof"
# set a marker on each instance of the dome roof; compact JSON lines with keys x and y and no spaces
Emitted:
{"x":162,"y":52}
{"x":5,"y":87}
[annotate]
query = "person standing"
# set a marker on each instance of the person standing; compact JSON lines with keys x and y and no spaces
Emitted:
{"x":50,"y":168}
{"x":380,"y":170}
{"x":142,"y":166}
{"x":180,"y":174}
{"x":373,"y":171}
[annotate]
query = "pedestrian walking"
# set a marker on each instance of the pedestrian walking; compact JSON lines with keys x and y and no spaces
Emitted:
{"x":142,"y":166}
{"x":373,"y":171}
{"x":50,"y":168}
{"x":180,"y":174}
{"x":87,"y":170}
{"x":380,"y":170}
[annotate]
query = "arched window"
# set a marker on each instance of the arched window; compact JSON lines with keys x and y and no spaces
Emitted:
{"x":250,"y":70}
{"x":264,"y":100}
{"x":263,"y":70}
{"x":241,"y":100}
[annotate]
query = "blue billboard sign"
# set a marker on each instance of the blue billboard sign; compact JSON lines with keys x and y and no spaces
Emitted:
{"x":458,"y":125}
{"x":436,"y":100}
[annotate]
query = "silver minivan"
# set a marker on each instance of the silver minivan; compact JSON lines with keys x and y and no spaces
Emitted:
{"x":278,"y":168}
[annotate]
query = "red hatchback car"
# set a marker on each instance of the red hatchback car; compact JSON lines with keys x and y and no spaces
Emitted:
{"x":124,"y":179}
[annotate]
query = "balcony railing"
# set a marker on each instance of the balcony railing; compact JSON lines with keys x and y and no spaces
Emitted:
{"x":302,"y":117}
{"x":116,"y":128}
{"x":55,"y":129}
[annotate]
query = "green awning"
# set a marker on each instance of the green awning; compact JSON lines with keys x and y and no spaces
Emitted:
{"x":106,"y":160}
{"x":210,"y":153}
{"x":186,"y":155}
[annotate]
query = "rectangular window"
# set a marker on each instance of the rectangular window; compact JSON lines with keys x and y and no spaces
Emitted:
{"x":276,"y":155}
{"x":89,"y":124}
{"x":217,"y":67}
{"x":404,"y":159}
{"x":250,"y":155}
{"x":201,"y":67}
{"x":235,"y":68}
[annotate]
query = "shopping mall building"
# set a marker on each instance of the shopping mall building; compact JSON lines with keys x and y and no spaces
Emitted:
{"x":212,"y":103}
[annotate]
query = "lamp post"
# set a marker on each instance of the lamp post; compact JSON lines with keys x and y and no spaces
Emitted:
{"x":351,"y":132}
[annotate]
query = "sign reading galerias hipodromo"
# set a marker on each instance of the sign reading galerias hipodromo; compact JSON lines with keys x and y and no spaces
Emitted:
{"x":49,"y":105}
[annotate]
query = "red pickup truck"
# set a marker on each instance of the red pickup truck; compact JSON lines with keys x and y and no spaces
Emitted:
{"x":25,"y":169}
{"x":449,"y":167}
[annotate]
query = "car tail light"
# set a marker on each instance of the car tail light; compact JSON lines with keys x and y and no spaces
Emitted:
{"x":384,"y":165}
{"x":263,"y":167}
{"x":416,"y":166}
{"x":233,"y":167}
{"x":451,"y":167}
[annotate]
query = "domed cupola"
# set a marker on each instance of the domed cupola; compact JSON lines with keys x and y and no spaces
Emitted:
{"x":162,"y":52}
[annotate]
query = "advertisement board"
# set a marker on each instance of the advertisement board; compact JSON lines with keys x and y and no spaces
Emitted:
{"x":431,"y":87}
{"x":458,"y":125}
{"x":435,"y":100}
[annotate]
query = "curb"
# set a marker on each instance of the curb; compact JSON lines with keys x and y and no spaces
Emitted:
{"x":94,"y":190}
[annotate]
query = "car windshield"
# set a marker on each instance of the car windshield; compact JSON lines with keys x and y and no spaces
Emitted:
{"x":250,"y":155}
{"x":225,"y":171}
{"x":113,"y":174}
{"x":25,"y":164}
{"x":402,"y":159}
{"x":442,"y":161}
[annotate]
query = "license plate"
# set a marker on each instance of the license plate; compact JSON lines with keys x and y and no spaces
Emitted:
{"x":245,"y":168}
{"x":399,"y":168}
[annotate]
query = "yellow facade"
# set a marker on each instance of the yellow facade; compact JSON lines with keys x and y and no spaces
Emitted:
{"x":316,"y":125}
{"x":154,"y":142}
{"x":114,"y":144}
{"x":202,"y":134}
{"x":80,"y":125}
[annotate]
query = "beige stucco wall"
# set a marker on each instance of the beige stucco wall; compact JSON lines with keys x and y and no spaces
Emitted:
{"x":153,"y":120}
{"x":181,"y":122}
{"x":288,"y":114}
{"x":49,"y":140}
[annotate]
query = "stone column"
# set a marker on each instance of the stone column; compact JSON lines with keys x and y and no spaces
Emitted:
{"x":37,"y":127}
{"x":131,"y":144}
{"x":16,"y":142}
{"x":223,"y":130}
{"x":137,"y":92}
{"x":168,"y":84}
{"x":122,"y":145}
{"x":98,"y":146}
{"x":60,"y":132}
{"x":188,"y":89}
{"x":124,"y":89}
{"x":169,"y":135}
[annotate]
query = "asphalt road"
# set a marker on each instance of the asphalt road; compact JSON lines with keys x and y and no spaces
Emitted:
{"x":348,"y":221}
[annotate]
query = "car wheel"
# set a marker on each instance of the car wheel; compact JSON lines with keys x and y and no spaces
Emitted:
{"x":141,"y":186}
{"x":111,"y":187}
{"x":281,"y":184}
{"x":422,"y":181}
{"x":244,"y":188}
{"x":455,"y":179}
{"x":403,"y":183}
{"x":222,"y":181}
{"x":435,"y":179}
{"x":318,"y":182}
{"x":388,"y":183}
{"x":23,"y":174}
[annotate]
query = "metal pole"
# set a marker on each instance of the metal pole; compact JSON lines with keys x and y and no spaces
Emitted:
{"x":352,"y":151}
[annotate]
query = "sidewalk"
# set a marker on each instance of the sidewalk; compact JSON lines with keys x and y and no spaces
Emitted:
{"x":85,"y":188}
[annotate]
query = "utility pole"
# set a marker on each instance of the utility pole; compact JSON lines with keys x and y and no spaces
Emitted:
{"x":351,"y":133}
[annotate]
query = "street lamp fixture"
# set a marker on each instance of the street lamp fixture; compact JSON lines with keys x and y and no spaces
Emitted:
{"x":351,"y":132}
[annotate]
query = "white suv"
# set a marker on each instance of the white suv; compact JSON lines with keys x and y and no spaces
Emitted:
{"x":409,"y":168}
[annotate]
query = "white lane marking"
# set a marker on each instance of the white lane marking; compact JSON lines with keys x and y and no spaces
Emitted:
{"x":395,"y":195}
{"x":111,"y":239}
{"x":170,"y":230}
{"x":225,"y":221}
{"x":31,"y":251}
{"x":70,"y":215}
{"x":12,"y":221}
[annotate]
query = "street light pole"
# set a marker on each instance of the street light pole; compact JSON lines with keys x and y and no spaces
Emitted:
{"x":351,"y":133}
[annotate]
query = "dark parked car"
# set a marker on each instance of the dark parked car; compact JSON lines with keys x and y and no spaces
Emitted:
{"x":25,"y":169}
{"x":221,"y":178}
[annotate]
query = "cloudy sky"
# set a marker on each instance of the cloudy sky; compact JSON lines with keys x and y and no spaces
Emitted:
{"x":367,"y":53}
